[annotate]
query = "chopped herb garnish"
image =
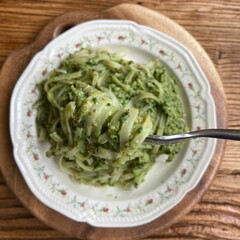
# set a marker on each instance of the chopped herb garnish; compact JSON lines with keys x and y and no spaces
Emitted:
{"x":97,"y":110}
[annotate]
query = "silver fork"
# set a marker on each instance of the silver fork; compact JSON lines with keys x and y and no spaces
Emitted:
{"x":231,"y":134}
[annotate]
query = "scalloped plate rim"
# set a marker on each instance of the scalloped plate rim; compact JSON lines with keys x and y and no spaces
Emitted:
{"x":16,"y":145}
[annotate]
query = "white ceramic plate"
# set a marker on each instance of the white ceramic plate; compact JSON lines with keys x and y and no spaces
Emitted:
{"x":167,"y":183}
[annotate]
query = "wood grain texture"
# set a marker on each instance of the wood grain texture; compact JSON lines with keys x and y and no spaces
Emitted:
{"x":216,"y":26}
{"x":20,"y":58}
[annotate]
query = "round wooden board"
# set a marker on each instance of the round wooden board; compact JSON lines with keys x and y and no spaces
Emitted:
{"x":15,"y":65}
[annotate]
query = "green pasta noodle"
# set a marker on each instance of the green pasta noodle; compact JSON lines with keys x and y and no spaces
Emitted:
{"x":97,"y":108}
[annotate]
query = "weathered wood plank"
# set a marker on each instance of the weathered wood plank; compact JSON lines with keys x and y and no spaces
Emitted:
{"x":216,"y":25}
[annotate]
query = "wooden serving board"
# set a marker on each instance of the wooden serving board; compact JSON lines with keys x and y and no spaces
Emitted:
{"x":15,"y":65}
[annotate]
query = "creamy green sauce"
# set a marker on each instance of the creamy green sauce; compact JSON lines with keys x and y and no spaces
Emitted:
{"x":97,"y":108}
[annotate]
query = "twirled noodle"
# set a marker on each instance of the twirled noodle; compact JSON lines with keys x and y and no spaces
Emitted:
{"x":97,"y":108}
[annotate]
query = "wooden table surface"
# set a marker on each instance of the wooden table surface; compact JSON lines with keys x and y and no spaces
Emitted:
{"x":216,"y":25}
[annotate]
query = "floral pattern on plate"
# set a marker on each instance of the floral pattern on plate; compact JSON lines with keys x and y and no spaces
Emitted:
{"x":115,"y":208}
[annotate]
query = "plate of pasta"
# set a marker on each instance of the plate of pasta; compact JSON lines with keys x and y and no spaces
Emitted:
{"x":82,"y":109}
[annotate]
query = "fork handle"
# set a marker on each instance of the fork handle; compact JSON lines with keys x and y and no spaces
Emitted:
{"x":230,"y":134}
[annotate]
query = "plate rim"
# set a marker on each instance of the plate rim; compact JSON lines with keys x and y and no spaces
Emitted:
{"x":138,"y":25}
